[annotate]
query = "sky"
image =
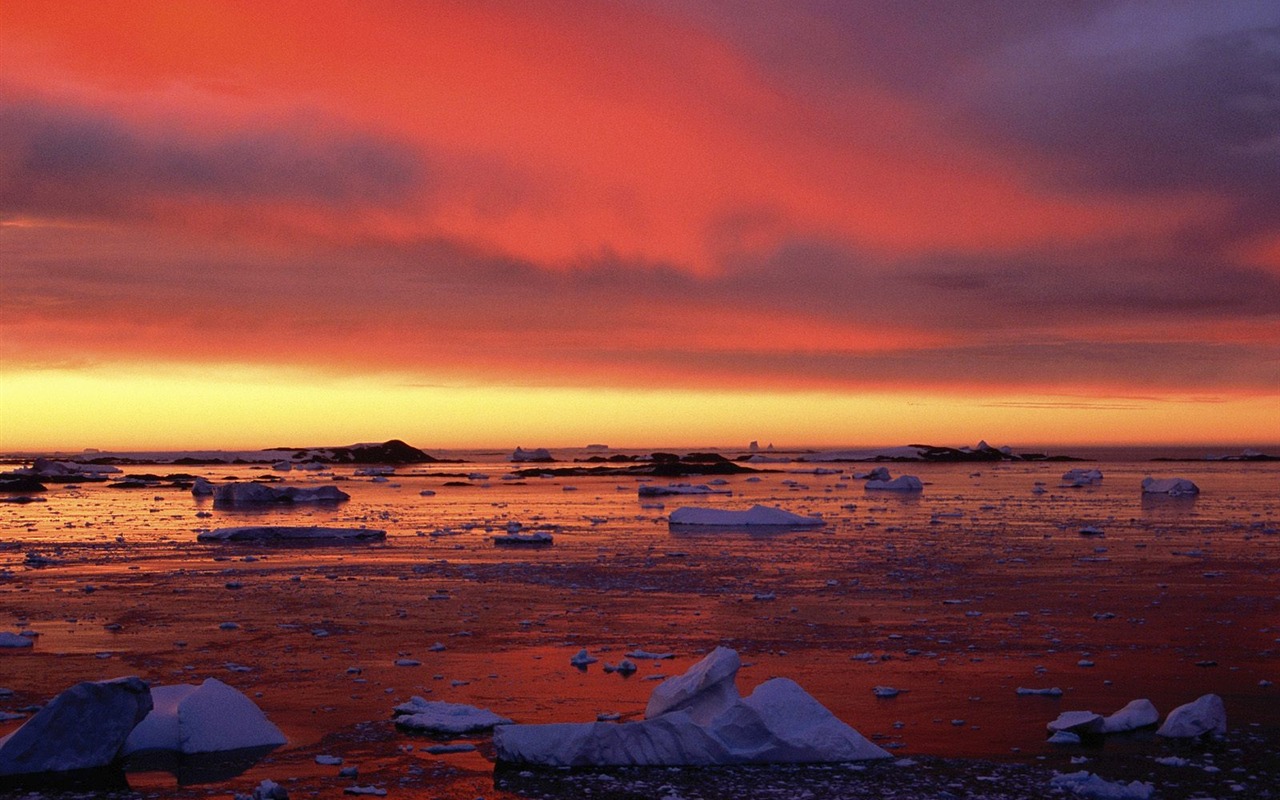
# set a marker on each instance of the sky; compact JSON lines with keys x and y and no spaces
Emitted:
{"x":811,"y":222}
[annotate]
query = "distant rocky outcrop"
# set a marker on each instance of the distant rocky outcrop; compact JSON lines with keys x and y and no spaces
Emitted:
{"x":929,"y":452}
{"x":658,"y":465}
{"x":389,"y":452}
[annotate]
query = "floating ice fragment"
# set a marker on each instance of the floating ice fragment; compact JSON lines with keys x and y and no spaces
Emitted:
{"x":208,"y":718}
{"x":437,"y":716}
{"x":1175,"y":487}
{"x":1086,"y":784}
{"x":758,"y":515}
{"x":1206,"y":714}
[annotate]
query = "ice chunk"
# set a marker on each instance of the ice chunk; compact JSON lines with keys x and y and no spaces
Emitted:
{"x":698,"y":719}
{"x":8,"y":639}
{"x":1086,"y":784}
{"x":652,"y":490}
{"x":84,"y":727}
{"x":1137,"y":714}
{"x":877,"y":474}
{"x":540,"y":454}
{"x":902,"y":483}
{"x":756,"y":515}
{"x":704,"y":690}
{"x":254,"y":493}
{"x":1206,"y":714}
{"x":1077,"y":722}
{"x":437,"y":716}
{"x":1175,"y":487}
{"x":260,"y":533}
{"x":208,"y":718}
{"x":1081,"y":477}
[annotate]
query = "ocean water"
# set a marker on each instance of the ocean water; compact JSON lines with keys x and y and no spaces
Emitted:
{"x":957,"y":595}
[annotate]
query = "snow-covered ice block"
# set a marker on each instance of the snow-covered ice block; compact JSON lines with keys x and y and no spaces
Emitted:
{"x":209,"y":718}
{"x":1077,"y":722}
{"x":1137,"y":714}
{"x":84,"y":727}
{"x":263,"y":533}
{"x":1206,"y":714}
{"x":1086,"y":784}
{"x":756,"y":515}
{"x":1176,"y":487}
{"x":437,"y":716}
{"x":698,"y":719}
{"x":1081,"y":477}
{"x":902,"y":483}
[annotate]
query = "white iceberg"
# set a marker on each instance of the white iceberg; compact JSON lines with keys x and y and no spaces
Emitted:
{"x":1135,"y":715}
{"x":84,"y":727}
{"x":253,"y":494}
{"x":1081,"y":477}
{"x":1206,"y":714}
{"x":902,"y":483}
{"x":1077,"y":722}
{"x":652,"y":490}
{"x":266,"y":533}
{"x":698,"y":719}
{"x":210,"y":718}
{"x":540,"y":454}
{"x":1086,"y":784}
{"x":1174,"y":487}
{"x":437,"y":716}
{"x":756,"y":515}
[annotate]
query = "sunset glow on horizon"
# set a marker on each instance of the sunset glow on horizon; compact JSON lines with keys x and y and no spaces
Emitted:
{"x":247,"y":225}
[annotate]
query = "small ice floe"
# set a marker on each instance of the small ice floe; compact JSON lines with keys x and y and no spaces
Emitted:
{"x":1172,"y":761}
{"x":1174,"y":487}
{"x":902,"y":483}
{"x":427,"y":493}
{"x":1137,"y":714}
{"x":518,"y":539}
{"x":257,"y":494}
{"x":267,"y":790}
{"x":698,"y":718}
{"x":758,"y":515}
{"x":375,"y":472}
{"x":292,"y":533}
{"x":582,"y":658}
{"x":372,"y":791}
{"x":1064,"y":737}
{"x":209,"y":718}
{"x":444,"y":749}
{"x":84,"y":727}
{"x":1206,"y":714}
{"x":645,"y":654}
{"x":653,"y":490}
{"x":1086,"y":784}
{"x":438,"y":717}
{"x":1051,"y":692}
{"x":1092,"y":530}
{"x":328,"y":761}
{"x":1077,"y":722}
{"x":14,"y":640}
{"x":886,"y":691}
{"x":624,"y":667}
{"x":1075,"y":478}
{"x":877,"y":474}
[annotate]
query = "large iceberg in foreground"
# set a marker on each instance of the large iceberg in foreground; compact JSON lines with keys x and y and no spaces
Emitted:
{"x":756,"y":515}
{"x":208,"y":718}
{"x":85,"y":727}
{"x":698,"y":719}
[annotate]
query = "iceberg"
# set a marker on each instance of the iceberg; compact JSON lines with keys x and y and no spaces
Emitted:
{"x":438,"y":716}
{"x":651,"y":490}
{"x":209,"y":718}
{"x":538,"y":455}
{"x":1174,"y":487}
{"x":1135,"y":715}
{"x":1206,"y":714}
{"x":270,"y":533}
{"x":254,"y":493}
{"x":698,"y":719}
{"x":756,"y":515}
{"x":8,"y":639}
{"x":1073,"y":478}
{"x":1077,"y":722}
{"x":902,"y":483}
{"x":84,"y":727}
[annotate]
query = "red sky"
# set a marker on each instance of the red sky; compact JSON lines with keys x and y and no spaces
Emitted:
{"x":989,"y":202}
